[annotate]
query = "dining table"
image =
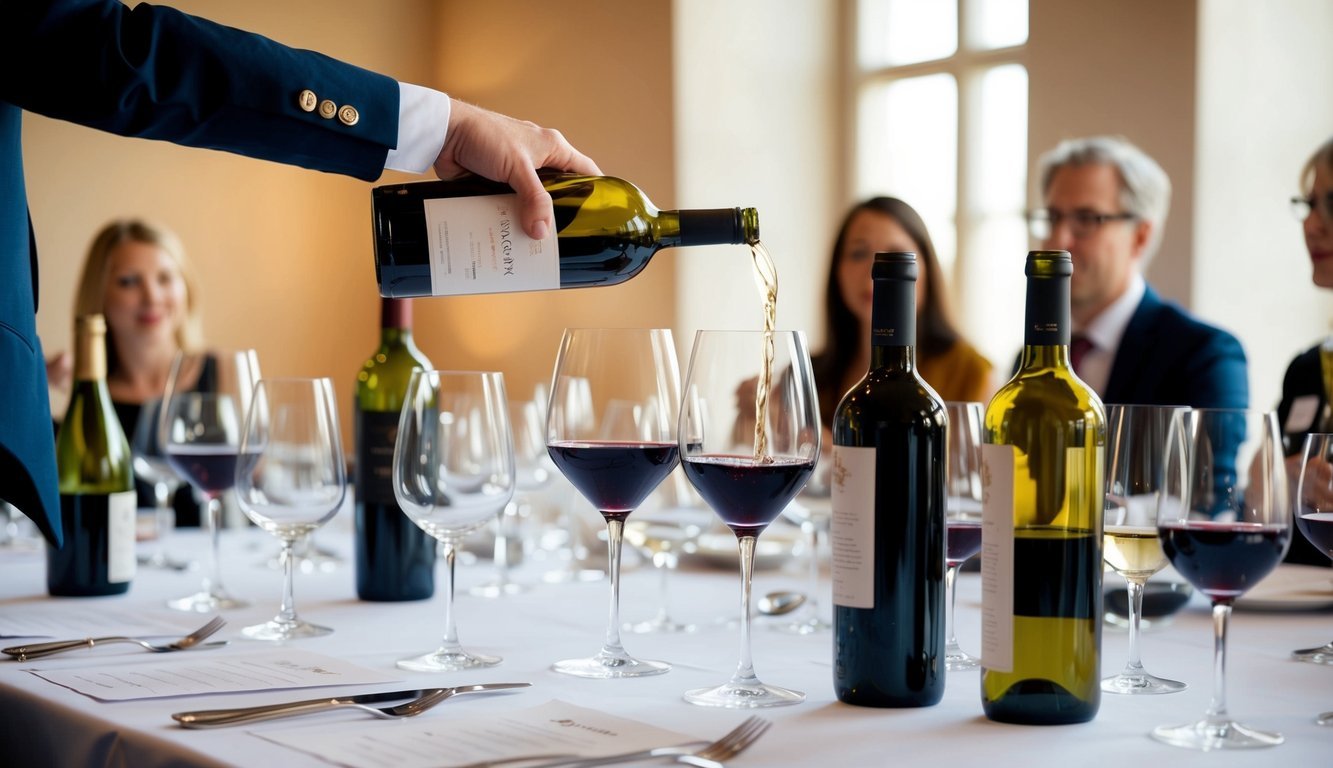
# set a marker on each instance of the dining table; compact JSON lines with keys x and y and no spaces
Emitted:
{"x":43,"y":723}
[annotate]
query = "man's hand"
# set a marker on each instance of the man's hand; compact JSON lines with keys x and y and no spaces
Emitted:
{"x":509,"y":150}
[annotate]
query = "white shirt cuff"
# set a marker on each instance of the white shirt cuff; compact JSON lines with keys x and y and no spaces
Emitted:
{"x":423,"y":117}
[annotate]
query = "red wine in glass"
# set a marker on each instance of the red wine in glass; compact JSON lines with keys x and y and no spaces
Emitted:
{"x":1224,"y":560}
{"x":748,"y":494}
{"x":615,"y":477}
{"x":962,"y":541}
{"x":1318,"y":528}
{"x":210,"y":468}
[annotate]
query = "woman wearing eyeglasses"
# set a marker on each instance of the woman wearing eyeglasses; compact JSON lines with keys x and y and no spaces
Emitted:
{"x":1305,"y":402}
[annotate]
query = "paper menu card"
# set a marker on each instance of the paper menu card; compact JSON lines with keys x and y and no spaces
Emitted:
{"x":200,"y":672}
{"x":555,"y":727}
{"x":56,"y":619}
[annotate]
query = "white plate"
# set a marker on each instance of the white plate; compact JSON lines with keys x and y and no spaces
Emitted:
{"x":775,"y":548}
{"x":1291,"y":588}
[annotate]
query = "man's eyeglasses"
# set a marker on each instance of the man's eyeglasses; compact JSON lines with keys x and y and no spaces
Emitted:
{"x":1301,"y":207}
{"x":1082,"y":222}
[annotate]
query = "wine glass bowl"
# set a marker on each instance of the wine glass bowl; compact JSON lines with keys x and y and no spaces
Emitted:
{"x":1136,"y":441}
{"x":151,"y":466}
{"x":203,"y":412}
{"x":453,"y":471}
{"x":749,"y":439}
{"x":1224,"y":524}
{"x":610,"y":430}
{"x":1314,"y":518}
{"x":290,"y":479}
{"x":962,"y":515}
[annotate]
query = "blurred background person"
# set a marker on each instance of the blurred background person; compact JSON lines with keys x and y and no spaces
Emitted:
{"x":1304,"y":407}
{"x":1105,"y":201}
{"x":951,"y":365}
{"x":136,"y":274}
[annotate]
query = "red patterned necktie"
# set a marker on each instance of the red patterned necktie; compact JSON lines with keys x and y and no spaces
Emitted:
{"x":1079,"y":346}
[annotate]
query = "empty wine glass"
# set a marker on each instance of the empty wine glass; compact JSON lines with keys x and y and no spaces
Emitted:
{"x":669,"y":525}
{"x":150,"y":466}
{"x":1224,"y":524}
{"x":814,"y":513}
{"x":203,"y":412}
{"x":1135,"y":452}
{"x":453,"y":470}
{"x":533,"y":471}
{"x":1314,"y":516}
{"x":749,"y":439}
{"x":962,"y":515}
{"x":290,"y":479}
{"x":614,"y":459}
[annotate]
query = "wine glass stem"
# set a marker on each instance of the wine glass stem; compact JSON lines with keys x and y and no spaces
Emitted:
{"x":950,"y":579}
{"x":501,"y":551}
{"x":665,"y":562}
{"x":1134,"y":667}
{"x":449,"y":548}
{"x":615,"y":531}
{"x":1217,"y":708}
{"x":287,"y":611}
{"x":745,"y":669}
{"x":812,"y":599}
{"x":164,"y":516}
{"x":213,"y":517}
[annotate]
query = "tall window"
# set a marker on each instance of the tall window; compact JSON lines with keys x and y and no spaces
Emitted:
{"x":941,"y":104}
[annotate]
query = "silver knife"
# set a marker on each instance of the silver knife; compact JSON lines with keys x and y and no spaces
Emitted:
{"x":212,"y":718}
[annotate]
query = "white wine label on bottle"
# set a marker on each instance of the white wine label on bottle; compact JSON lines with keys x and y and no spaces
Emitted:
{"x":477,"y":245}
{"x":120,"y":563}
{"x":997,"y":557}
{"x":852,"y":531}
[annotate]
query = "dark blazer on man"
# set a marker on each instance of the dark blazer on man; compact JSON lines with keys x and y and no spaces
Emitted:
{"x":150,"y":72}
{"x":1167,"y":357}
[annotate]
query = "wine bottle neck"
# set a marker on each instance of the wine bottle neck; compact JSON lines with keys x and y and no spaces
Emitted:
{"x":395,"y":314}
{"x":893,"y":312}
{"x":90,"y":348}
{"x":710,"y":226}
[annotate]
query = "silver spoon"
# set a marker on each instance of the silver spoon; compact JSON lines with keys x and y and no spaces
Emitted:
{"x":778,"y":603}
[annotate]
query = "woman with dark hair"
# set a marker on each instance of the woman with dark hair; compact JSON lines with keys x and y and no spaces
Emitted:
{"x":952,"y":366}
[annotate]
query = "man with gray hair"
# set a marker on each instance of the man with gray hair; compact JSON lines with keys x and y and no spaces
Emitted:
{"x":1105,"y":202}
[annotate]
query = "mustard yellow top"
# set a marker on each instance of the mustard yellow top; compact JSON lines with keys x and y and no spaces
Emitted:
{"x":961,"y":373}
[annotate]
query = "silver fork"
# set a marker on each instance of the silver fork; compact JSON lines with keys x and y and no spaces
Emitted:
{"x":39,"y":650}
{"x":695,"y":753}
{"x":425,"y":699}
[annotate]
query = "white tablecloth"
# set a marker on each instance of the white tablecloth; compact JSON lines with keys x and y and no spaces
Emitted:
{"x":43,"y":724}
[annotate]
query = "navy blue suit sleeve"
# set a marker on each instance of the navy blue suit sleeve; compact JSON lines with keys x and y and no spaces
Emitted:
{"x":154,"y":72}
{"x":1216,"y":373}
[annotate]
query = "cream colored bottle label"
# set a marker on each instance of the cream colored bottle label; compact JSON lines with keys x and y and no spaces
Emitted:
{"x":477,"y":245}
{"x":997,"y":557}
{"x":120,"y":562}
{"x":852,"y":531}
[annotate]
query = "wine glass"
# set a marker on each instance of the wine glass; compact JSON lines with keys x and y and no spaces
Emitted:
{"x":1135,"y":445}
{"x":533,"y":471}
{"x":1224,"y":524}
{"x":614,"y":462}
{"x":150,"y":466}
{"x":203,"y":411}
{"x":749,"y":439}
{"x":290,"y":479}
{"x":667,"y":527}
{"x":453,"y":470}
{"x":1314,"y":516}
{"x":814,"y":514}
{"x":962,"y":515}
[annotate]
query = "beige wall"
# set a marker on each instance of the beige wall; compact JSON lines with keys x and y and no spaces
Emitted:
{"x":284,"y":254}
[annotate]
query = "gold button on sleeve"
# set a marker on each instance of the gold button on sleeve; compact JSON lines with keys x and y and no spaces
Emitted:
{"x":348,"y":115}
{"x":327,"y":109}
{"x":307,"y":100}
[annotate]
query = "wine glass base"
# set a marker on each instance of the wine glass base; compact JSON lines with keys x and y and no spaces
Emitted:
{"x":1321,"y":655}
{"x":448,"y":660}
{"x":958,"y":660}
{"x":206,"y":602}
{"x":664,"y":625}
{"x":809,"y":626}
{"x":284,"y":630}
{"x":1208,"y":735}
{"x":165,"y":562}
{"x":499,"y":589}
{"x":605,"y":665}
{"x":1144,"y":684}
{"x":744,"y":696}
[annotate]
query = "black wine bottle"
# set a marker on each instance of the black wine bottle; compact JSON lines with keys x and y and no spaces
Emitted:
{"x":96,"y":481}
{"x":888,"y":530}
{"x":442,"y":238}
{"x":1041,"y":552}
{"x":395,"y":559}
